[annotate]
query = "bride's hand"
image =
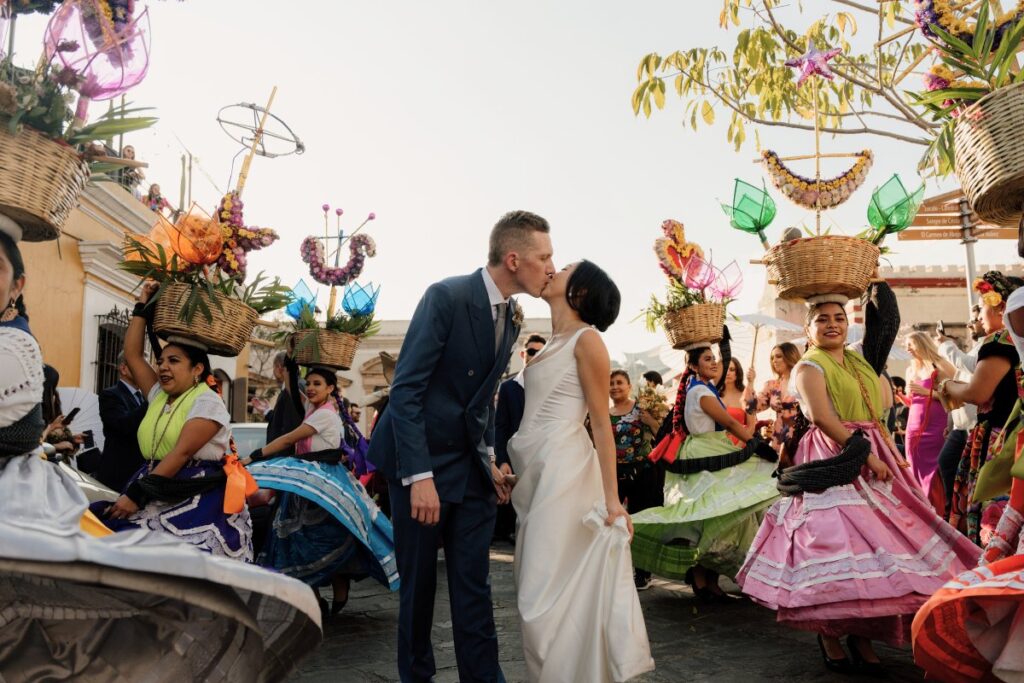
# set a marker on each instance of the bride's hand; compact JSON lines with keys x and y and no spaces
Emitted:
{"x":615,"y":510}
{"x":503,"y":490}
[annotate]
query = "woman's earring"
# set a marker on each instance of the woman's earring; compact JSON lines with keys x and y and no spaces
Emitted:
{"x":195,"y":380}
{"x":10,"y":313}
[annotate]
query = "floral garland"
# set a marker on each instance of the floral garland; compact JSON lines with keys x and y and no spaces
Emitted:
{"x":239,"y":239}
{"x":814,"y":194}
{"x":929,"y":13}
{"x":360,"y":246}
{"x":994,"y":287}
{"x":941,"y":77}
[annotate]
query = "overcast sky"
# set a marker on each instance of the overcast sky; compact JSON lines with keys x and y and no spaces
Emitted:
{"x":440,"y":116}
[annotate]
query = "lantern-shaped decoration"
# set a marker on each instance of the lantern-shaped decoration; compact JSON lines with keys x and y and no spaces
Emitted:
{"x":360,"y":300}
{"x":100,"y":43}
{"x":752,"y":210}
{"x":892,"y":209}
{"x":303,"y":301}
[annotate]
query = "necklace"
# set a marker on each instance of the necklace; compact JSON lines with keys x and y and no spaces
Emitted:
{"x":158,"y":438}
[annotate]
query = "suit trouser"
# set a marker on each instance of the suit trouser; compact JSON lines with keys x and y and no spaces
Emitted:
{"x":465,"y":531}
{"x":949,"y":459}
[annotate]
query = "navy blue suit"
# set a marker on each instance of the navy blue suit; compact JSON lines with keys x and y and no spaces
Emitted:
{"x":440,"y":419}
{"x":121,"y":416}
{"x":511,"y":403}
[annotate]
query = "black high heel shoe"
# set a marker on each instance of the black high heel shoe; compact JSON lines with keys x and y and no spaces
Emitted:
{"x":338,"y":605}
{"x":840,"y":665}
{"x":873,"y":669}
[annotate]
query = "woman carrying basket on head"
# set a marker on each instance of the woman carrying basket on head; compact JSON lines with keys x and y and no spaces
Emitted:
{"x":714,"y":493}
{"x":326,"y":530}
{"x":854,"y":548}
{"x":192,"y":485}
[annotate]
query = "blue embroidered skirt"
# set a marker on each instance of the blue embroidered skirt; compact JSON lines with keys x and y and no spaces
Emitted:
{"x":325,"y":524}
{"x":199,"y":520}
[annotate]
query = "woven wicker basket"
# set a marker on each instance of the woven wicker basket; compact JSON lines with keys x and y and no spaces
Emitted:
{"x":225,"y":335}
{"x":696,"y":323}
{"x":829,"y":264}
{"x":40,"y":182}
{"x":990,"y":156}
{"x":335,"y":350}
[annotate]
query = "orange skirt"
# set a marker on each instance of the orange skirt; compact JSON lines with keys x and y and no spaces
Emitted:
{"x":972,"y":629}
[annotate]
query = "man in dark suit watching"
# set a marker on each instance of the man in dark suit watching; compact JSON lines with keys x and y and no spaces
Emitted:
{"x":122,"y":407}
{"x":285,"y":416}
{"x":511,"y":401}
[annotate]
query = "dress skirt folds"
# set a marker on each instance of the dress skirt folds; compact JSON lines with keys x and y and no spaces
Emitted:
{"x":972,"y":629}
{"x":855,"y":559}
{"x":326,"y":524}
{"x":199,"y":520}
{"x":135,"y":606}
{"x":709,"y":518}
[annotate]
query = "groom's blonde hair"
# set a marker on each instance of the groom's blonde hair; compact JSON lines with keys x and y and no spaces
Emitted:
{"x":512,"y":233}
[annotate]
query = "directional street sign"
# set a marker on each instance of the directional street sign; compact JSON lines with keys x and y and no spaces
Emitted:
{"x":937,"y":220}
{"x":947,"y":234}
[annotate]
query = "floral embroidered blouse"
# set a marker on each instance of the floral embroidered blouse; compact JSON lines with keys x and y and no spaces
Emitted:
{"x":632,"y":437}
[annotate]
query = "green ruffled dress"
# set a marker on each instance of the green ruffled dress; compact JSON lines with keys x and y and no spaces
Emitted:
{"x":709,"y":518}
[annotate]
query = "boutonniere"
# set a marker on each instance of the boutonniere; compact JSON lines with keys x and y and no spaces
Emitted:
{"x":517,"y":314}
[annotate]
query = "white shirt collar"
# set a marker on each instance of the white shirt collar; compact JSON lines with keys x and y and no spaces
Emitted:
{"x":520,"y":377}
{"x":493,"y":293}
{"x":133,"y":390}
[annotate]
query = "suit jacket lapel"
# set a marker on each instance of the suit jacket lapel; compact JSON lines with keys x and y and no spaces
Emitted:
{"x":479,"y":307}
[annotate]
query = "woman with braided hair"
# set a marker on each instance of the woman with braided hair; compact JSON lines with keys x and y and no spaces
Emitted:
{"x":192,"y":485}
{"x":994,"y":390}
{"x":326,"y":530}
{"x":714,"y":494}
{"x":854,"y":548}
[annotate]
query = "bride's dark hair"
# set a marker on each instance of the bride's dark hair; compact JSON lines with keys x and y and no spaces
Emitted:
{"x":592,"y":294}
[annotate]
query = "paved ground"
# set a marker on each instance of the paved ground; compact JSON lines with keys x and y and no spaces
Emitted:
{"x":690,"y":642}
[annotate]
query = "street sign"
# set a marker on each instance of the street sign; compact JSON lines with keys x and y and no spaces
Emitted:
{"x":948,"y":201}
{"x":947,"y":234}
{"x":936,"y":220}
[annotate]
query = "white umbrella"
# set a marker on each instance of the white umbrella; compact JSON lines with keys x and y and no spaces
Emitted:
{"x":88,"y":417}
{"x":759,"y":320}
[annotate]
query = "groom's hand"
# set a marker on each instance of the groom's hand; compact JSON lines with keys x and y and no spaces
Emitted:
{"x":426,"y":506}
{"x":503,"y":490}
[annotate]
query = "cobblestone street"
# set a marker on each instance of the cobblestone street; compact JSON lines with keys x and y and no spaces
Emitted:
{"x":690,"y":642}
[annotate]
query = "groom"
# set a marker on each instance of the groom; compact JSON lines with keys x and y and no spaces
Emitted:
{"x":435,"y":441}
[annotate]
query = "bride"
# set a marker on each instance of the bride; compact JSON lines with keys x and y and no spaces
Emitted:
{"x":578,"y":606}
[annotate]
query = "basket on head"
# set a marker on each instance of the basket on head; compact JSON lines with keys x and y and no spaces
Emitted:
{"x":335,"y":350}
{"x":990,"y":157}
{"x":828,"y":264}
{"x":226,"y":334}
{"x":41,"y":181}
{"x":694,"y":323}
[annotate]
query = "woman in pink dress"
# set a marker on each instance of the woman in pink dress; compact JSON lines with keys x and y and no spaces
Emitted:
{"x":853,"y":549}
{"x":926,"y":421}
{"x":776,"y":394}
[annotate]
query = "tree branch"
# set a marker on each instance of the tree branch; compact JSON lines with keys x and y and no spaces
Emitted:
{"x":869,"y":10}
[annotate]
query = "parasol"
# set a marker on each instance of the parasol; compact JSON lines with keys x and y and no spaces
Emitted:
{"x":759,"y":320}
{"x":88,"y":417}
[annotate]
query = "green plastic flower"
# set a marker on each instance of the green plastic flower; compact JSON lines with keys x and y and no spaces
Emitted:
{"x":752,"y":210}
{"x":892,"y":208}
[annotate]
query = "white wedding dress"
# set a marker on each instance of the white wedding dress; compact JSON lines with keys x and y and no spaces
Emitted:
{"x":579,"y":610}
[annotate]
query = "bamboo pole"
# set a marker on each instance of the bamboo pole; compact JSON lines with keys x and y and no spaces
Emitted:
{"x":817,"y":160}
{"x":243,"y":175}
{"x":804,"y":157}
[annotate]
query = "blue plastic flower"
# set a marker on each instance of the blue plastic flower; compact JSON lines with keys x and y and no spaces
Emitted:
{"x":302,"y":298}
{"x":360,"y":299}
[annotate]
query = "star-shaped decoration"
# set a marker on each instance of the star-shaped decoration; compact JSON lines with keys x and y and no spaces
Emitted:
{"x":238,"y":238}
{"x":814,"y":62}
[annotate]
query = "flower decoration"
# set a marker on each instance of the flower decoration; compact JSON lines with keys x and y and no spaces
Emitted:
{"x":303,"y":300}
{"x":814,"y":62}
{"x":100,"y":56}
{"x":359,"y":299}
{"x":892,"y":208}
{"x":752,"y":210}
{"x":194,"y":239}
{"x":237,"y":238}
{"x":360,"y":246}
{"x":994,"y":288}
{"x":943,"y":13}
{"x":517,"y":314}
{"x":810,"y":193}
{"x":673,"y":251}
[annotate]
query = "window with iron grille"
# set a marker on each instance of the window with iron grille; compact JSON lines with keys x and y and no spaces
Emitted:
{"x":110,"y":343}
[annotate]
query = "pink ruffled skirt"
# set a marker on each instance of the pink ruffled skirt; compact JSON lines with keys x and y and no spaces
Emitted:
{"x":856,"y":559}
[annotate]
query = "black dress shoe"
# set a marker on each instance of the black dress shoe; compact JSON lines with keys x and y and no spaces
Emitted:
{"x":839,"y":665}
{"x":873,"y":669}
